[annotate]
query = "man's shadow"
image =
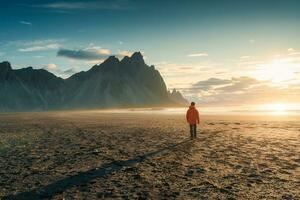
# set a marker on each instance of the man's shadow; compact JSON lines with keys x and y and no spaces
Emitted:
{"x":84,"y":177}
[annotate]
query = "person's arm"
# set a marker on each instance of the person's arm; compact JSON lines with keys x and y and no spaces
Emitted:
{"x":187,"y":116}
{"x":198,"y":118}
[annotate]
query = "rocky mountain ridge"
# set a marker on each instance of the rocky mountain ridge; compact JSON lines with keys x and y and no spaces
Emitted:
{"x":129,"y":82}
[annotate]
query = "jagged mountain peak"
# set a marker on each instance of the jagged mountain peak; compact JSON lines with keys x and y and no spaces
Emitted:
{"x":137,"y":57}
{"x":137,"y":54}
{"x":111,"y":60}
{"x":177,"y":97}
{"x":132,"y":63}
{"x":6,"y":72}
{"x":125,"y":59}
{"x":5,"y":66}
{"x":174,"y":91}
{"x":28,"y":68}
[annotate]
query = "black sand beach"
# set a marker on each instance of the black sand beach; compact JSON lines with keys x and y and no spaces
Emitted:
{"x":91,"y":155}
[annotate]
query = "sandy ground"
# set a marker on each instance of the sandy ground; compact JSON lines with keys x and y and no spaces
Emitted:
{"x":91,"y":155}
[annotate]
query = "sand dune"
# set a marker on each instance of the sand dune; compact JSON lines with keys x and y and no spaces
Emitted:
{"x":92,"y":155}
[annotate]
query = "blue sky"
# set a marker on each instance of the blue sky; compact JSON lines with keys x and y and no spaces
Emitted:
{"x":188,"y":41}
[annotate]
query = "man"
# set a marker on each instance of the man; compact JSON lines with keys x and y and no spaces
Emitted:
{"x":192,"y":117}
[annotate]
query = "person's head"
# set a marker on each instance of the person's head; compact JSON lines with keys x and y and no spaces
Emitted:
{"x":192,"y":103}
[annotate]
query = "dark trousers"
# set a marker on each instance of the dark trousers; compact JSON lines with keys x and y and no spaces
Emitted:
{"x":193,"y":130}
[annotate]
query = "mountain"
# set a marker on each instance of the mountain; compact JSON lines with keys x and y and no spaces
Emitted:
{"x":28,"y":89}
{"x":177,"y":97}
{"x":113,"y":83}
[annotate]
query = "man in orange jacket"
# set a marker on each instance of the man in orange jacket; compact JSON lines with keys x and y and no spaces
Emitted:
{"x":192,"y":117}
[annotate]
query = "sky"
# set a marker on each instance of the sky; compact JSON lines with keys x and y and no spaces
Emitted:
{"x":233,"y":53}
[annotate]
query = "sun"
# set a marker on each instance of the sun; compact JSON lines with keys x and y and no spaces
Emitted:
{"x":276,"y":108}
{"x":279,"y":107}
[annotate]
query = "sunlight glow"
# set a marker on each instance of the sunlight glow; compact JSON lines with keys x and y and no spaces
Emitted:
{"x":277,"y":71}
{"x":277,"y":108}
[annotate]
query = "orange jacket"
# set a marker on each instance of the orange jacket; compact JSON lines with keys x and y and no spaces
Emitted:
{"x":192,"y":115}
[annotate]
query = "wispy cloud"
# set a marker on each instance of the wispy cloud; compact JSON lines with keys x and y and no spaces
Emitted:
{"x":173,"y":72}
{"x":53,"y":68}
{"x":292,"y":51}
{"x":84,"y":54}
{"x":39,"y":42}
{"x":245,"y":57}
{"x":124,"y":53}
{"x":198,"y":54}
{"x":34,"y":45}
{"x":88,"y":5}
{"x":119,"y":55}
{"x":92,"y":54}
{"x":25,"y":23}
{"x":210,"y":83}
{"x":40,"y":48}
{"x":242,"y":90}
{"x":39,"y":56}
